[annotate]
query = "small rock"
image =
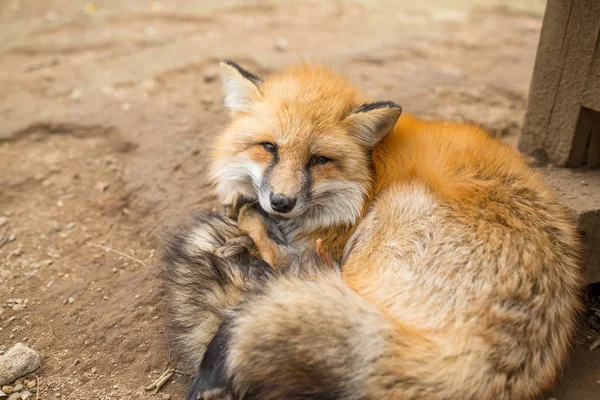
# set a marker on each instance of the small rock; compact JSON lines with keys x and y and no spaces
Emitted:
{"x":2,"y":394}
{"x":210,"y":75}
{"x":584,"y":183}
{"x":18,"y":251}
{"x":12,"y":237}
{"x":18,"y":361}
{"x":71,"y":300}
{"x":55,"y":226}
{"x":76,"y":94}
{"x":31,"y":384}
{"x":93,"y":371}
{"x":149,"y":31}
{"x":33,"y":390}
{"x":18,"y":307}
{"x":7,"y":389}
{"x":51,"y":16}
{"x":3,"y":220}
{"x":281,"y":44}
{"x":70,"y":225}
{"x":14,"y":396}
{"x":18,"y":388}
{"x":149,"y":84}
{"x":102,"y":186}
{"x":26,"y":395}
{"x":52,"y":252}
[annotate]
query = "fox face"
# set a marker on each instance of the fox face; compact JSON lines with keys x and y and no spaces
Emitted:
{"x":299,"y":143}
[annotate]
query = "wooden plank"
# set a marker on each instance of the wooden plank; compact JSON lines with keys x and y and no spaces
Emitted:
{"x":591,"y":90}
{"x":564,"y":144}
{"x":546,"y":76}
{"x":594,"y":146}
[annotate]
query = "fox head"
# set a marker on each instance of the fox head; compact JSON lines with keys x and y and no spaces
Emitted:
{"x":299,"y":143}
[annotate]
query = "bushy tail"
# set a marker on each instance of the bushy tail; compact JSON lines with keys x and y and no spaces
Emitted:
{"x":201,"y":287}
{"x":314,"y":338}
{"x":302,"y":333}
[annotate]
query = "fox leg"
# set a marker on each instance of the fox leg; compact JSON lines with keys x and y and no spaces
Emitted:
{"x":253,"y":224}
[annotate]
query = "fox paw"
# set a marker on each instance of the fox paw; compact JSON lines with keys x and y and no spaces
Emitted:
{"x":235,"y":246}
{"x":232,"y":208}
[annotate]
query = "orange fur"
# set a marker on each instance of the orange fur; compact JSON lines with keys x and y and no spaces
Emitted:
{"x":463,"y":261}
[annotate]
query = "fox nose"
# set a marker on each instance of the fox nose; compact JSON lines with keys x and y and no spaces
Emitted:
{"x":281,"y":203}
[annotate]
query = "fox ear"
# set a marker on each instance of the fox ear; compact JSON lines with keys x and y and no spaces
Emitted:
{"x":371,"y":122}
{"x":240,"y":87}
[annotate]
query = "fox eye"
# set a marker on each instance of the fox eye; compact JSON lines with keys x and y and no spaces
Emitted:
{"x":319,"y":160}
{"x":270,"y":147}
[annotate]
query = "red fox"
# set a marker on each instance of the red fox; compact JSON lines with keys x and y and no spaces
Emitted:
{"x":454,"y":271}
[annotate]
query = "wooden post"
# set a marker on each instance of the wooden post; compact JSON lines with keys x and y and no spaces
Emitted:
{"x":562,"y":121}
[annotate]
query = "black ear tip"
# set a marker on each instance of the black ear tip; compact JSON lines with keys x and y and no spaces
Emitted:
{"x":378,"y":105}
{"x":390,"y":104}
{"x":229,"y":62}
{"x":251,"y":77}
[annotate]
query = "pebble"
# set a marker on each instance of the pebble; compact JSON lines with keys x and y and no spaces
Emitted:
{"x":18,"y":251}
{"x":31,"y":384}
{"x":55,"y":226}
{"x":18,"y":307}
{"x":210,"y":75}
{"x":18,"y":361}
{"x":3,"y":220}
{"x":7,"y":389}
{"x":12,"y":237}
{"x":76,"y":94}
{"x":71,"y":300}
{"x":2,"y":394}
{"x":18,"y":388}
{"x":281,"y":44}
{"x":26,"y":395}
{"x":14,"y":396}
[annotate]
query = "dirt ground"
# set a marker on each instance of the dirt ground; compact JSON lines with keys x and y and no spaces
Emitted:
{"x":106,"y":112}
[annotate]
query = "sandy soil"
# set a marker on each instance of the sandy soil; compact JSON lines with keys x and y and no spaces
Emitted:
{"x":106,"y":112}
